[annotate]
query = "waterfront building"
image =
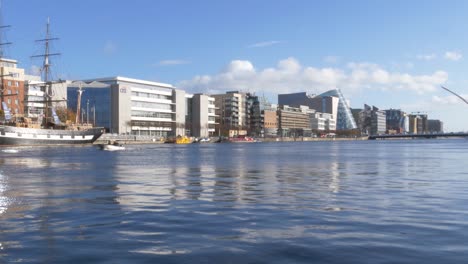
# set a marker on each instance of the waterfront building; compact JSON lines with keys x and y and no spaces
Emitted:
{"x":323,"y":104}
{"x":95,"y":106}
{"x":12,"y":86}
{"x":435,"y":126}
{"x":317,"y":122}
{"x":201,"y":116}
{"x":344,"y":118}
{"x":34,"y":98}
{"x":378,"y":121}
{"x":294,"y":121}
{"x":331,"y":102}
{"x":230,"y":112}
{"x":268,"y":118}
{"x":356,"y":113}
{"x":396,"y":120}
{"x":418,"y":123}
{"x":372,"y":120}
{"x":270,"y":121}
{"x":130,"y":106}
{"x":253,"y":115}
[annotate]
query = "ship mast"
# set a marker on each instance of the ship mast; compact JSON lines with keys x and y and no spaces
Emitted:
{"x":2,"y":44}
{"x":78,"y":105}
{"x":2,"y":53}
{"x":47,"y":88}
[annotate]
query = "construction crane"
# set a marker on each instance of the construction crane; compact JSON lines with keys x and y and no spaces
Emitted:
{"x":457,"y":95}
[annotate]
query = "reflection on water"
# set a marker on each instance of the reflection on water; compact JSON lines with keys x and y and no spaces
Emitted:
{"x":3,"y":199}
{"x":283,"y":202}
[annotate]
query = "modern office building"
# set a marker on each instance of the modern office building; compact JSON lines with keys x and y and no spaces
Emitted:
{"x":372,"y":120}
{"x":201,"y":116}
{"x":253,"y":115}
{"x":396,"y":121}
{"x":294,"y":121}
{"x":435,"y":126}
{"x":130,"y":106}
{"x":270,"y":121}
{"x":345,"y":120}
{"x":95,"y":106}
{"x":378,"y":121}
{"x":268,"y":118}
{"x":356,"y":112}
{"x":331,"y":102}
{"x":323,"y":104}
{"x":322,"y":121}
{"x":418,"y":123}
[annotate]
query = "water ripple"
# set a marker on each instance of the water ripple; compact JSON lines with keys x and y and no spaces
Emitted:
{"x":329,"y":202}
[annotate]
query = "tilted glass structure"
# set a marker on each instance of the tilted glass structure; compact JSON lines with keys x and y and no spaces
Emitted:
{"x":345,"y":118}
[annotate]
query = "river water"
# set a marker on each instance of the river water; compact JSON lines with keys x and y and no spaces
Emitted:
{"x":298,"y":202}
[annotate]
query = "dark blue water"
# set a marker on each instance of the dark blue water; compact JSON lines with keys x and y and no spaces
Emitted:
{"x":317,"y":202}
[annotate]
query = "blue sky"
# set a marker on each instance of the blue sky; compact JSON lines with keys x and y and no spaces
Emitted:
{"x":391,"y":54}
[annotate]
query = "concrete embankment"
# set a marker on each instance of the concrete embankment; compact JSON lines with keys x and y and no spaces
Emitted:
{"x":299,"y":139}
{"x":149,"y":140}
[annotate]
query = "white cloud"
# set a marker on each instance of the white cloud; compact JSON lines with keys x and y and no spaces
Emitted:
{"x":290,"y":76}
{"x":426,"y":57}
{"x":453,"y":55}
{"x":173,"y":62}
{"x":110,"y":47}
{"x":264,"y":44}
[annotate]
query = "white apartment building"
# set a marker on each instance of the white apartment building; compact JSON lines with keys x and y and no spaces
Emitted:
{"x":201,"y":115}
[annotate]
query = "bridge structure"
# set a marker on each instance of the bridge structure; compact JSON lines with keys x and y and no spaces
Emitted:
{"x":414,"y":136}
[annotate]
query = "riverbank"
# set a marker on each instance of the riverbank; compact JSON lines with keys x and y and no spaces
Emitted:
{"x":152,"y":140}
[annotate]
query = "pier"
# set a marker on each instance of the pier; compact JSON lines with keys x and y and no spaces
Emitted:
{"x":435,"y":135}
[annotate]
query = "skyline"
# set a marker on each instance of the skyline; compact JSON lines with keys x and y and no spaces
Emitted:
{"x":388,"y":54}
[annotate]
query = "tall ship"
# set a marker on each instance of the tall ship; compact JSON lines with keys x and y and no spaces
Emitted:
{"x":18,"y":126}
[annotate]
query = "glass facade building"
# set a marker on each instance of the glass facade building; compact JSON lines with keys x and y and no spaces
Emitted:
{"x":130,"y":106}
{"x":95,"y":105}
{"x":345,"y":120}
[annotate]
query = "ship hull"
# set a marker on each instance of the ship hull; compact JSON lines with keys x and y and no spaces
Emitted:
{"x":10,"y":135}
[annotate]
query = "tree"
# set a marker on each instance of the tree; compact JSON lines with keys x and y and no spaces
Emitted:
{"x":62,"y":113}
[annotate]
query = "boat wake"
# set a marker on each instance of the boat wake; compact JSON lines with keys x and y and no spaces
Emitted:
{"x":10,"y":150}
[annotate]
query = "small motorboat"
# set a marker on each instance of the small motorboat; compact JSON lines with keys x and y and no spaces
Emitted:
{"x":10,"y":151}
{"x":111,"y":146}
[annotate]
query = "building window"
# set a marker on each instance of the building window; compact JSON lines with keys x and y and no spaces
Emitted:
{"x":16,"y":101}
{"x":9,"y":91}
{"x":9,"y":83}
{"x":17,"y":84}
{"x":9,"y":101}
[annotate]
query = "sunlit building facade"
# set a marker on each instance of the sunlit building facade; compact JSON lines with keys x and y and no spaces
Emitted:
{"x":345,"y":120}
{"x":130,"y":106}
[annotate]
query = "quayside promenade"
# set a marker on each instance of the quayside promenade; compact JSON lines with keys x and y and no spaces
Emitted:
{"x":132,"y":139}
{"x":411,"y":136}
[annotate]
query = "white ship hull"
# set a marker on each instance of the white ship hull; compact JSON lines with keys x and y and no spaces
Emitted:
{"x":10,"y":135}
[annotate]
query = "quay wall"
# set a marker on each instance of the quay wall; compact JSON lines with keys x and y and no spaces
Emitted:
{"x":132,"y":139}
